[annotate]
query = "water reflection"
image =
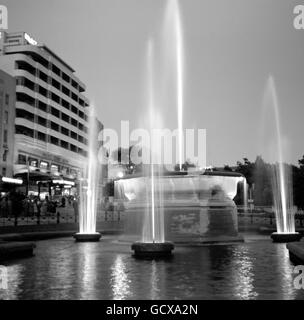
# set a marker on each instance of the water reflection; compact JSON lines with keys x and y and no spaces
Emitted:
{"x":119,"y":279}
{"x":243,"y":275}
{"x":155,"y":290}
{"x":14,"y":283}
{"x":285,"y":271}
{"x":88,"y":272}
{"x":62,"y":269}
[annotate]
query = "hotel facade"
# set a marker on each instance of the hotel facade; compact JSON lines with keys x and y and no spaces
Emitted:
{"x":51,"y":113}
{"x":7,"y":123}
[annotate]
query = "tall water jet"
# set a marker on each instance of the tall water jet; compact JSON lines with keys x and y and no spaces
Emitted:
{"x":281,"y":178}
{"x":89,"y":187}
{"x":173,"y":40}
{"x":245,"y":195}
{"x":152,"y":244}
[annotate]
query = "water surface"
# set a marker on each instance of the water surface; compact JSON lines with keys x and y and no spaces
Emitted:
{"x":63,"y":269}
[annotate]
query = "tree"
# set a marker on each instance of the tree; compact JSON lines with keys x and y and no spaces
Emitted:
{"x":246,"y":169}
{"x":227,"y":168}
{"x":298,"y":184}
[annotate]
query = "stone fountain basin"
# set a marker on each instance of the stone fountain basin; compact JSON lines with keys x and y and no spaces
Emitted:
{"x":285,"y":237}
{"x":195,"y":208}
{"x":152,"y":249}
{"x":87,"y":237}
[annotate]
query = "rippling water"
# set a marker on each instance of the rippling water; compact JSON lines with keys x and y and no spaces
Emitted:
{"x":63,"y":269}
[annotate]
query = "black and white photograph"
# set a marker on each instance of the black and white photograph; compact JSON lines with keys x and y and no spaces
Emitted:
{"x":151,"y":153}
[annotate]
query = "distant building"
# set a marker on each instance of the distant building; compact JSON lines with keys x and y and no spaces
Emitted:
{"x":7,"y":123}
{"x":51,"y":124}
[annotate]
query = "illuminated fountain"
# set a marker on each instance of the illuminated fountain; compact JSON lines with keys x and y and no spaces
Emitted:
{"x":281,"y":179}
{"x":196,"y":209}
{"x":153,"y":242}
{"x":88,"y":189}
{"x":153,"y":229}
{"x":165,"y":205}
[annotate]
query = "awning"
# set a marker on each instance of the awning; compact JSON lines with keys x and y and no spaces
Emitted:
{"x":35,"y":176}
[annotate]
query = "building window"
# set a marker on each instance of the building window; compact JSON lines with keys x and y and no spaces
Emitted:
{"x":6,"y":117}
{"x":74,"y":135}
{"x":6,"y":99}
{"x":55,"y":112}
{"x":24,"y":130}
{"x":81,"y":114}
{"x":54,"y":168}
{"x":65,"y":131}
{"x":5,"y":136}
{"x":54,"y":126}
{"x":4,"y":157}
{"x":21,"y":159}
{"x":41,"y":136}
{"x":42,"y":106}
{"x":3,"y":172}
{"x":42,"y":121}
{"x":56,"y":84}
{"x":73,"y":148}
{"x":54,"y":140}
{"x":65,"y":117}
{"x":44,"y":165}
{"x":55,"y":98}
{"x":74,"y":109}
{"x":43,"y":76}
{"x":42,"y":91}
{"x":64,"y":144}
{"x":65,"y":104}
{"x":20,"y":113}
{"x":65,"y":77}
{"x":33,"y":162}
{"x":74,"y":122}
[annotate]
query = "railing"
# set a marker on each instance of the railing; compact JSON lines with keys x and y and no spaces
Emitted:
{"x":62,"y":215}
{"x":67,"y":215}
{"x":266,"y":217}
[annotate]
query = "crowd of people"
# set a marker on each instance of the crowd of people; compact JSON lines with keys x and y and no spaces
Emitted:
{"x":17,"y":203}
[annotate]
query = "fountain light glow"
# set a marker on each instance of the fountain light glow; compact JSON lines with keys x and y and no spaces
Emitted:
{"x":173,"y":32}
{"x":281,"y":175}
{"x":245,"y":193}
{"x":150,"y":80}
{"x":89,"y":186}
{"x":180,"y":77}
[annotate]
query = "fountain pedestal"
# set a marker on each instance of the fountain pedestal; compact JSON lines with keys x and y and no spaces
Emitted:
{"x":152,"y":249}
{"x":87,"y":237}
{"x":285,"y":237}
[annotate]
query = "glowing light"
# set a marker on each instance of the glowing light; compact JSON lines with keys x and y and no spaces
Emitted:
{"x":281,"y":179}
{"x":30,"y":40}
{"x":151,"y":107}
{"x":120,"y":174}
{"x":12,"y":180}
{"x":70,"y":183}
{"x":90,"y":186}
{"x":179,"y":68}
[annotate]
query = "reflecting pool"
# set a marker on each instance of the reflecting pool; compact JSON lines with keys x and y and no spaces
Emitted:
{"x":62,"y":269}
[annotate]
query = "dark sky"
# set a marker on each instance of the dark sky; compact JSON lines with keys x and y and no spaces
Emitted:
{"x":231,"y":47}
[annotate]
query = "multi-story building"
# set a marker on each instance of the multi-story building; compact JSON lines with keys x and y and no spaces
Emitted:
{"x":51,"y":124}
{"x":7,"y":123}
